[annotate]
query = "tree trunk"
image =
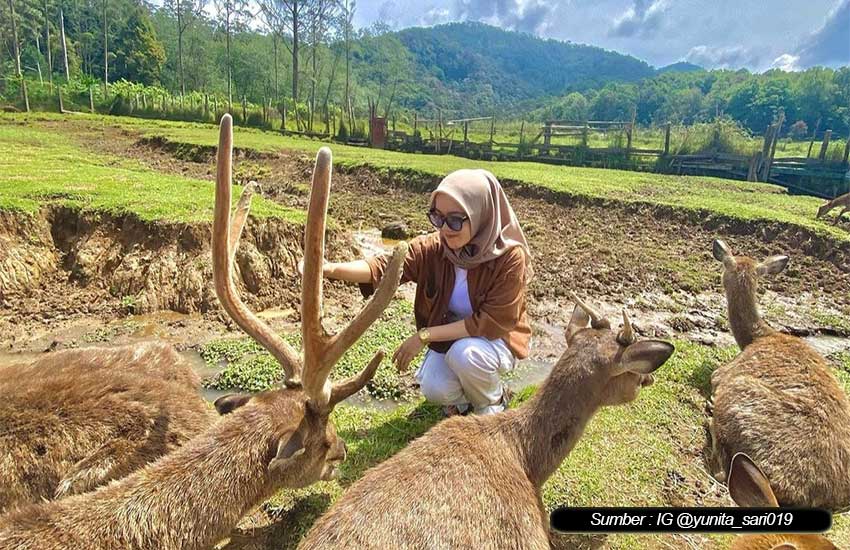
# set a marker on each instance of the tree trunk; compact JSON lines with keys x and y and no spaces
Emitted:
{"x":105,"y":52}
{"x":295,"y":31}
{"x":229,"y":64}
{"x":64,"y":44}
{"x":180,"y":29}
{"x":276,"y":80}
{"x":47,"y":46}
{"x":328,"y":94}
{"x":17,"y":49}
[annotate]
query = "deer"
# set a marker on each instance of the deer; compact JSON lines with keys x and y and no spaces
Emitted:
{"x":843,"y":200}
{"x":777,"y":401}
{"x":475,"y":481}
{"x":73,"y":420}
{"x":281,"y":438}
{"x":749,"y":487}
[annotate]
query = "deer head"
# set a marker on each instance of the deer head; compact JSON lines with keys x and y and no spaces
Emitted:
{"x":749,"y":487}
{"x":303,"y":444}
{"x":627,"y":363}
{"x":740,"y":281}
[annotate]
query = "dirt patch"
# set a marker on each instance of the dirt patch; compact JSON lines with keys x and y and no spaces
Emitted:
{"x":62,"y":263}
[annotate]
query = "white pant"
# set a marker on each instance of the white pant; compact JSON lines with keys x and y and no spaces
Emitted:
{"x":467,"y":374}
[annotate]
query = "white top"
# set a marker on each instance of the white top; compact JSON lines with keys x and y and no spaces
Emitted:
{"x":459,"y":303}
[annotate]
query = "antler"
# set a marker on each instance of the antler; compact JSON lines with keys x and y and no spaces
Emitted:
{"x":627,"y":334}
{"x":321,"y":350}
{"x":596,"y":320}
{"x":225,"y":239}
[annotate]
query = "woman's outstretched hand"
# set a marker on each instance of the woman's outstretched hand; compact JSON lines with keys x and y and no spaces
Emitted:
{"x":325,"y":265}
{"x":407,"y":351}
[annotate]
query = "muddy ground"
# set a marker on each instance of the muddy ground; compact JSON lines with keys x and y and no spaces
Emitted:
{"x":657,"y":264}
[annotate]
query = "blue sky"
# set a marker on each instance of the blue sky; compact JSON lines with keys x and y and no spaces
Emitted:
{"x":758,"y":35}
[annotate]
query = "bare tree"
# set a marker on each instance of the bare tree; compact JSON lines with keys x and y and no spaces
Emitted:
{"x":104,"y":4}
{"x":347,"y":9}
{"x":64,"y":44}
{"x":17,"y":52}
{"x":47,"y":45}
{"x":320,"y":13}
{"x":184,"y":12}
{"x":231,"y":13}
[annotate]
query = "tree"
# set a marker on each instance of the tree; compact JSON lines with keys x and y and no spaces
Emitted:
{"x":346,"y":23}
{"x":184,"y":13}
{"x":231,"y":14}
{"x":139,"y":53}
{"x":319,"y":14}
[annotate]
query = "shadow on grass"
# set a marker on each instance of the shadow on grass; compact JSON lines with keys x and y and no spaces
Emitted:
{"x":367,"y":447}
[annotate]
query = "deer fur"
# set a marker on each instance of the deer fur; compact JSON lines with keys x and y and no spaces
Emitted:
{"x":749,"y":487}
{"x":777,"y":401}
{"x":843,"y":200}
{"x":73,"y":420}
{"x":194,"y":496}
{"x":474,"y":482}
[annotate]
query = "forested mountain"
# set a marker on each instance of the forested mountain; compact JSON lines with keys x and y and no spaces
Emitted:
{"x":462,"y":69}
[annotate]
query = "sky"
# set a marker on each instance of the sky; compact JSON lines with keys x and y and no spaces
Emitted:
{"x":753,"y":34}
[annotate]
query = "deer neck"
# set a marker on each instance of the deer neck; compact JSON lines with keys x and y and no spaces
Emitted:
{"x":200,"y":491}
{"x":547,"y":428}
{"x":744,"y":317}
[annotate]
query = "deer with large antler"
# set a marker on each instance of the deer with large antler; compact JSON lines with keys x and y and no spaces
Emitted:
{"x":280,"y":438}
{"x":777,"y":400}
{"x":474,"y":482}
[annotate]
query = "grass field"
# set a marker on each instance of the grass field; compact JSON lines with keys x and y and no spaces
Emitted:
{"x":46,"y":167}
{"x":738,"y":200}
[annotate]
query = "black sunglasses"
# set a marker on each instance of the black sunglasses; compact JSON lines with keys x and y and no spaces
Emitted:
{"x":454,"y":221}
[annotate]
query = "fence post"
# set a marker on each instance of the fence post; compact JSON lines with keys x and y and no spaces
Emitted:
{"x":25,"y":95}
{"x":492,"y":130}
{"x":547,"y":134}
{"x":91,"y":100}
{"x":812,"y":142}
{"x":521,"y":131}
{"x":666,"y":139}
{"x":61,"y":101}
{"x":825,"y":145}
{"x":847,"y":149}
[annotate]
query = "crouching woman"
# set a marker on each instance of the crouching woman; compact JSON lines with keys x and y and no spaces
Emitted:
{"x":470,"y":306}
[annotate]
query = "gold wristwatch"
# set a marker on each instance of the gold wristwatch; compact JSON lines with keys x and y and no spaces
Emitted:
{"x":424,"y":336}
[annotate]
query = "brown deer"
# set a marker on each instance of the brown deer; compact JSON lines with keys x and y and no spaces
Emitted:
{"x":749,"y":487}
{"x":843,"y":200}
{"x":193,"y":496}
{"x":777,"y":401}
{"x":474,"y":482}
{"x":75,"y":419}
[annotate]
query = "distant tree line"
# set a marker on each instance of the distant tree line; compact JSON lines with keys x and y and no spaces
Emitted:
{"x":305,"y":57}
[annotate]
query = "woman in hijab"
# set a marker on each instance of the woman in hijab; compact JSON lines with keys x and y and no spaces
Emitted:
{"x":470,"y":306}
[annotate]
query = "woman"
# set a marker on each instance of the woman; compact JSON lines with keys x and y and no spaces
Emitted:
{"x":470,"y":294}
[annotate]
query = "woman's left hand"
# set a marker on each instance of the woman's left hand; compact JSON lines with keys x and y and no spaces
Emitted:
{"x":407,"y":351}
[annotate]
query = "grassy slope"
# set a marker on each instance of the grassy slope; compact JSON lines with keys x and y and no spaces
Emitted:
{"x":45,"y":167}
{"x":741,"y":200}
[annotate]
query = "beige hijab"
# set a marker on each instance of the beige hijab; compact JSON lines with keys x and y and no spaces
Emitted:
{"x":495,"y":228}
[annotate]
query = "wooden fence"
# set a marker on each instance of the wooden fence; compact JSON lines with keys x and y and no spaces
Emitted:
{"x":815,"y":175}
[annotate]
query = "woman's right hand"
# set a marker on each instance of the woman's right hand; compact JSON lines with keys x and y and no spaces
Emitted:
{"x":325,"y":265}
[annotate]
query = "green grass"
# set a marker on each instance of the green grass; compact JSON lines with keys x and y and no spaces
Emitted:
{"x":43,"y":167}
{"x":711,"y":196}
{"x":647,"y":453}
{"x":249,"y":367}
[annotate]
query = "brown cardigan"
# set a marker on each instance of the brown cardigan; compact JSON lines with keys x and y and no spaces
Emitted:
{"x":496,"y":292}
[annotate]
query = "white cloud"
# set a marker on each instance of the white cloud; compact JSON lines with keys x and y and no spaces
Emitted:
{"x":640,"y":19}
{"x":828,"y":45}
{"x":722,"y":57}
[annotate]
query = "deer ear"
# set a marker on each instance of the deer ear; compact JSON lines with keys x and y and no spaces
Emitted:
{"x":228,"y":403}
{"x":646,"y":356}
{"x":722,"y":253}
{"x":289,"y":447}
{"x":578,"y":321}
{"x":772,"y":265}
{"x":748,"y":486}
